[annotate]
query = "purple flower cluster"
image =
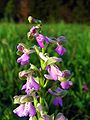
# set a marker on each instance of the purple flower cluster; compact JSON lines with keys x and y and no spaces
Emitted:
{"x":36,"y":87}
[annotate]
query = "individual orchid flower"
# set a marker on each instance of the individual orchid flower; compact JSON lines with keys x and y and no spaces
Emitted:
{"x":41,"y":39}
{"x":60,"y":50}
{"x":66,"y":73}
{"x":54,"y":72}
{"x":24,"y":59}
{"x":85,"y":87}
{"x":66,"y":84}
{"x":30,"y":84}
{"x":33,"y":32}
{"x":20,"y":47}
{"x":24,"y":110}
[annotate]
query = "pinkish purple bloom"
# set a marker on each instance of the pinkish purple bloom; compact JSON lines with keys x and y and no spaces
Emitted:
{"x":24,"y":59}
{"x":57,"y":101}
{"x":66,"y":84}
{"x":60,"y":50}
{"x":85,"y":87}
{"x":54,"y":72}
{"x":40,"y":39}
{"x":31,"y":83}
{"x":24,"y":110}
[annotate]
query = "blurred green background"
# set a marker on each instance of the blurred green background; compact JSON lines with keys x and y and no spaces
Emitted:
{"x":60,"y":17}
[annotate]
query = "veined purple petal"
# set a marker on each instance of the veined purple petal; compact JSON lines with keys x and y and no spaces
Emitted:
{"x":54,"y":72}
{"x":66,"y":84}
{"x":19,"y":110}
{"x":57,"y":101}
{"x":32,"y":110}
{"x":31,"y":83}
{"x":24,"y":59}
{"x":24,"y":110}
{"x":35,"y":85}
{"x":60,"y":50}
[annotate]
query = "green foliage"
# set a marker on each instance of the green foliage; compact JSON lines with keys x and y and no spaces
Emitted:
{"x":77,"y":104}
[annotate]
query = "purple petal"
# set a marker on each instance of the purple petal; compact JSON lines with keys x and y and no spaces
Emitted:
{"x":32,"y":110}
{"x":66,"y":84}
{"x":19,"y":110}
{"x":54,"y":71}
{"x":60,"y":50}
{"x":40,"y":39}
{"x":31,"y":83}
{"x":57,"y":101}
{"x":61,"y":39}
{"x":24,"y":59}
{"x":35,"y":85}
{"x":48,"y":77}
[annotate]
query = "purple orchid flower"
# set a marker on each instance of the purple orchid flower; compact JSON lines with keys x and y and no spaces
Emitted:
{"x":66,"y":84}
{"x":54,"y":72}
{"x":24,"y":59}
{"x":24,"y":110}
{"x":40,"y":39}
{"x":60,"y":50}
{"x":33,"y":31}
{"x":66,"y":73}
{"x":85,"y":87}
{"x":31,"y":83}
{"x":58,"y":101}
{"x":20,"y":47}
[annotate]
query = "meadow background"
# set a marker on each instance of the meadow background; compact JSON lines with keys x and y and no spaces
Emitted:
{"x":69,"y":18}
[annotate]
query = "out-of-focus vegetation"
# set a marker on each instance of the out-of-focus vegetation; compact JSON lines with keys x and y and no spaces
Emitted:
{"x":76,"y":103}
{"x":50,"y":10}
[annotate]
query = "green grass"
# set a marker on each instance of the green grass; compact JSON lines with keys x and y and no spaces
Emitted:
{"x":77,"y":103}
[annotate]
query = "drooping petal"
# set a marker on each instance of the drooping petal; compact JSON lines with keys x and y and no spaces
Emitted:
{"x":19,"y":110}
{"x":31,"y":109}
{"x":24,"y":59}
{"x":35,"y":85}
{"x":60,"y":50}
